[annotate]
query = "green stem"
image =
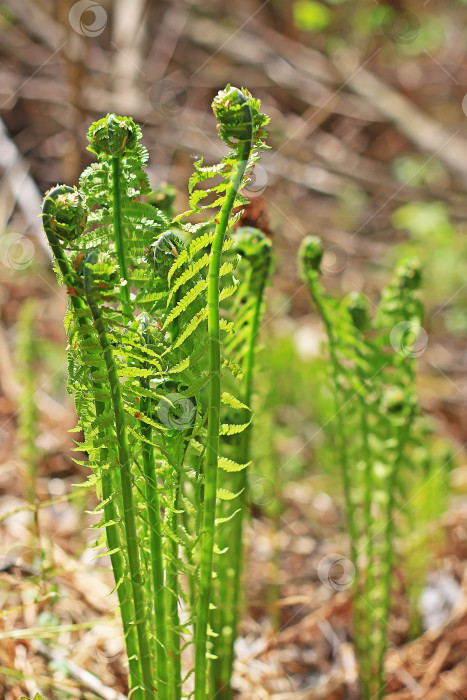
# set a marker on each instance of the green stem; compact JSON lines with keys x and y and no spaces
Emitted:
{"x":127,"y":487}
{"x":235,"y":555}
{"x":313,"y":285}
{"x":377,"y":691}
{"x":173,"y":590}
{"x":214,"y":392}
{"x":155,"y":539}
{"x":118,"y":228}
{"x":362,"y":607}
{"x":177,"y":448}
{"x":361,"y":644}
{"x":123,"y":590}
{"x":27,"y":410}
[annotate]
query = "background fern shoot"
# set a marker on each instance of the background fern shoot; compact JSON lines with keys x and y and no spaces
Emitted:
{"x":373,"y":379}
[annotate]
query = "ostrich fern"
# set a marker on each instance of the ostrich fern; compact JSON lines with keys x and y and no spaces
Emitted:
{"x":372,"y":365}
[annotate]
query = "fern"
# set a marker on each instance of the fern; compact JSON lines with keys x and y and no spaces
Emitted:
{"x":247,"y":307}
{"x":373,"y":377}
{"x":241,"y":127}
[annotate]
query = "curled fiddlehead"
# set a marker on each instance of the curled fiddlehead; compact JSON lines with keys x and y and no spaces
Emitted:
{"x":64,"y":213}
{"x":64,"y":217}
{"x":113,"y":136}
{"x":310,"y":256}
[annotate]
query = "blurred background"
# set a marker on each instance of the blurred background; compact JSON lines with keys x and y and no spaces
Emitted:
{"x":368,"y":141}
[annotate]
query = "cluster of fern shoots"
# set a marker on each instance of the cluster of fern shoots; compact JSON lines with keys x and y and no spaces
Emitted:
{"x":378,"y":437}
{"x":162,"y":321}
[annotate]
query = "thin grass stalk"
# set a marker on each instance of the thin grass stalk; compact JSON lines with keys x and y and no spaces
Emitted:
{"x":27,"y":409}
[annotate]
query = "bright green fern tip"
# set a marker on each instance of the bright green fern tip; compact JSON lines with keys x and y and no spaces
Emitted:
{"x":113,"y":136}
{"x":409,"y":273}
{"x":239,"y":117}
{"x":357,"y":306}
{"x":67,"y":212}
{"x":310,"y":255}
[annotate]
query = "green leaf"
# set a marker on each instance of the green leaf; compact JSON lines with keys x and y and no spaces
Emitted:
{"x":229,"y":465}
{"x":310,"y":16}
{"x":191,"y":327}
{"x":226,"y":495}
{"x":188,"y":299}
{"x":233,"y":428}
{"x":232,"y":401}
{"x":220,"y":521}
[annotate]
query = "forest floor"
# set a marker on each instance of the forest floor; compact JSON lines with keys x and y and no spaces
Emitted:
{"x":59,"y":633}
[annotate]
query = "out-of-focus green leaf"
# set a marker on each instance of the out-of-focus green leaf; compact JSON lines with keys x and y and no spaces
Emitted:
{"x":424,"y":220}
{"x":366,"y":20}
{"x":311,"y":16}
{"x":417,"y":171}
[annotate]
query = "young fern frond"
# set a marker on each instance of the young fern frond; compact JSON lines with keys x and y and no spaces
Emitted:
{"x":373,"y":380}
{"x":89,"y":375}
{"x":247,"y":307}
{"x":64,"y":218}
{"x":241,"y":127}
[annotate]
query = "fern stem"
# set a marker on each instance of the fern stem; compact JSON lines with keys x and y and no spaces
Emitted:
{"x":214,"y":391}
{"x":173,"y":592}
{"x":345,"y":468}
{"x":362,"y":606}
{"x":155,"y":539}
{"x":126,"y":485}
{"x":123,"y":588}
{"x":235,"y":534}
{"x":118,"y":227}
{"x":172,"y":566}
{"x":402,"y":432}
